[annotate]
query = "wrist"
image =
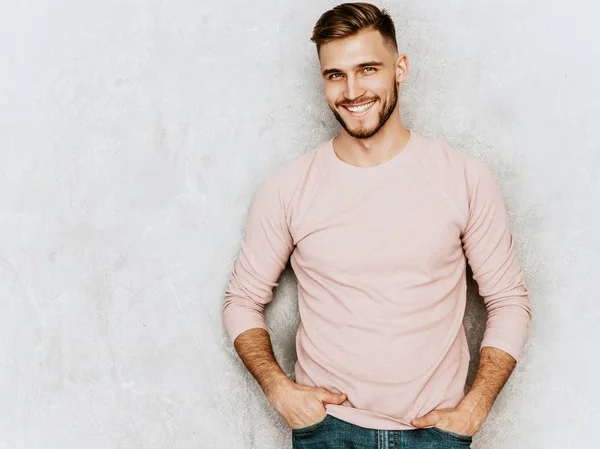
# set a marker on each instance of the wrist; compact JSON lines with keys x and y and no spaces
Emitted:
{"x":475,"y":404}
{"x":277,"y":386}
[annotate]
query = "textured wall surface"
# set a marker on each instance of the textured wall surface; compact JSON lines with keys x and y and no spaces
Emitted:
{"x":133,"y":135}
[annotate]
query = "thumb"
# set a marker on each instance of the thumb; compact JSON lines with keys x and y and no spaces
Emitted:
{"x":333,"y":398}
{"x":429,"y":419}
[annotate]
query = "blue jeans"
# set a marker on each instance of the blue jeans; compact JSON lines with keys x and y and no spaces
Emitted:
{"x":334,"y":433}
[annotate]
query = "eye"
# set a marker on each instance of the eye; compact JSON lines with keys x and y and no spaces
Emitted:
{"x":332,"y":76}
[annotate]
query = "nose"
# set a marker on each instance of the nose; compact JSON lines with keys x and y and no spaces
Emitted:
{"x":353,"y":88}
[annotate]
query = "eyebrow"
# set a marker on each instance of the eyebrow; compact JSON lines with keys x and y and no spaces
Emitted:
{"x":358,"y":66}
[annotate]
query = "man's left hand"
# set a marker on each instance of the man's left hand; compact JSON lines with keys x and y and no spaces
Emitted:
{"x":458,"y":420}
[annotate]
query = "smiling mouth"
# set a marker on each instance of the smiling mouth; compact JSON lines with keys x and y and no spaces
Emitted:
{"x":358,"y":111}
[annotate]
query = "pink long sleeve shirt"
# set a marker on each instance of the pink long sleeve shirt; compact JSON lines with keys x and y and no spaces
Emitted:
{"x":380,"y":256}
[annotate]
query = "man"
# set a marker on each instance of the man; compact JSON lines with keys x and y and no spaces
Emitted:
{"x":380,"y":222}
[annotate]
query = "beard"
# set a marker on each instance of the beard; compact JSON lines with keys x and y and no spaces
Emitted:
{"x":362,"y":132}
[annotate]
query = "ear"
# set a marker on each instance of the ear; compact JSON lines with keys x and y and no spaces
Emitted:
{"x":401,"y":68}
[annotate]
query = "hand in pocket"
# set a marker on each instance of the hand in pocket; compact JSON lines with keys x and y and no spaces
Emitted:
{"x":303,"y":405}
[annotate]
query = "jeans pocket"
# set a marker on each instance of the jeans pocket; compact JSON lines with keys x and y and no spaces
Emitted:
{"x":311,"y":427}
{"x":455,"y":435}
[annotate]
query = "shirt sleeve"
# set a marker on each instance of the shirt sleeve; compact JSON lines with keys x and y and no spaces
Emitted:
{"x":264,"y":252}
{"x":489,"y":247}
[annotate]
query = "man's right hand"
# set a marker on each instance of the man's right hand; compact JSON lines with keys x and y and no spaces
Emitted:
{"x":302,"y":405}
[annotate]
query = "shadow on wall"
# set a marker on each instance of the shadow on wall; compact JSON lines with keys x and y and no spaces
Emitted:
{"x":474,"y":322}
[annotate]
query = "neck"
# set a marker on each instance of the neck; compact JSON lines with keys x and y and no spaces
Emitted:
{"x":375,"y":150}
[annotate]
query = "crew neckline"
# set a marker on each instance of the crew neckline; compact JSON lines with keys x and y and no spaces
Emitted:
{"x":379,"y":168}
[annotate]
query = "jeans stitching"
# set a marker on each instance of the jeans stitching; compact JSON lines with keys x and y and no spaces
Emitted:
{"x":458,"y":436}
{"x":311,"y":427}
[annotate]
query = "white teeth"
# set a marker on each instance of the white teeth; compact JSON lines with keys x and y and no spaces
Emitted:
{"x":362,"y":108}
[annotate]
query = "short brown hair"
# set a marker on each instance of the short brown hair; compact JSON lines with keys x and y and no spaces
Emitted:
{"x":347,"y":19}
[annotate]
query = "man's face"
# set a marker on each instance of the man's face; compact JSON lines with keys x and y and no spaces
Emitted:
{"x":362,"y":70}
